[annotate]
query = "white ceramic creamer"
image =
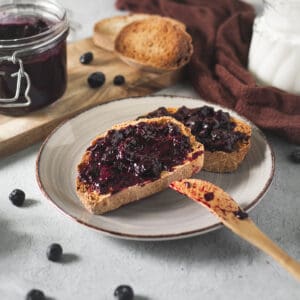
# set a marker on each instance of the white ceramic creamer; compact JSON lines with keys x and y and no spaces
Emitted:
{"x":274,"y":55}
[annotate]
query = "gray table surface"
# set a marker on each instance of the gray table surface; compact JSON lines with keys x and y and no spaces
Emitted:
{"x":217,"y":265}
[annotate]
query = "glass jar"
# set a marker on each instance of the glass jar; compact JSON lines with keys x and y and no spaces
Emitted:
{"x":274,"y":53}
{"x":32,"y":54}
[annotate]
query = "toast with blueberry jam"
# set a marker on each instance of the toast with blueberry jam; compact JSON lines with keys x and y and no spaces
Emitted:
{"x":134,"y":160}
{"x":226,"y":139}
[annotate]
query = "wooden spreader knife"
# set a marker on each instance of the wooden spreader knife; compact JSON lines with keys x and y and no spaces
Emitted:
{"x":233,"y":217}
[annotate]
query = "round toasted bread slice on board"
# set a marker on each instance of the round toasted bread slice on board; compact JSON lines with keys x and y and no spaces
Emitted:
{"x":106,"y":30}
{"x":155,"y":44}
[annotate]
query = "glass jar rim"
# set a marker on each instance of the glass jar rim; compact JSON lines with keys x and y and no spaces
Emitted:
{"x":52,"y":33}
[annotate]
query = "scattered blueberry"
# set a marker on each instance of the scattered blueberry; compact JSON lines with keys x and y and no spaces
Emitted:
{"x":17,"y":197}
{"x":124,"y":292}
{"x":295,"y":156}
{"x":54,"y":252}
{"x":35,"y":295}
{"x":119,"y":80}
{"x":96,"y":79}
{"x":209,"y":196}
{"x":86,"y":58}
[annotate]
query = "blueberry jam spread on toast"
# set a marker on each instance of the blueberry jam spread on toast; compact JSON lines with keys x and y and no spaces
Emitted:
{"x":133,"y":155}
{"x":214,"y":129}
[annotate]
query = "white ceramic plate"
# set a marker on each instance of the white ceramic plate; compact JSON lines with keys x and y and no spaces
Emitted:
{"x":166,"y":215}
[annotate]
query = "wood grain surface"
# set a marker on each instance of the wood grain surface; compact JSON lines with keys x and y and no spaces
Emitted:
{"x":17,"y":133}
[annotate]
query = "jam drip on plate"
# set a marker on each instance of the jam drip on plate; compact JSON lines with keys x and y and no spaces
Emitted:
{"x":133,"y":155}
{"x":214,"y":129}
{"x":22,"y":28}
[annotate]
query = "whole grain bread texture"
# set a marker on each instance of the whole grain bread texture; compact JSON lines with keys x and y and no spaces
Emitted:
{"x":226,"y":162}
{"x":97,"y":203}
{"x":106,"y":30}
{"x":154,"y":44}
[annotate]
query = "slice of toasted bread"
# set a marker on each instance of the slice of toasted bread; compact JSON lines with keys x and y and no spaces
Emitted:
{"x":225,"y":162}
{"x":100,"y":203}
{"x":155,"y":44}
{"x":106,"y":30}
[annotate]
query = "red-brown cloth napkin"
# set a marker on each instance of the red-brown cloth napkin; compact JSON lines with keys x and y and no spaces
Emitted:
{"x":221,"y":31}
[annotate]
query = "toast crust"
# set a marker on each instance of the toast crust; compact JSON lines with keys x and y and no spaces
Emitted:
{"x":100,"y":203}
{"x":154,"y":44}
{"x":106,"y":31}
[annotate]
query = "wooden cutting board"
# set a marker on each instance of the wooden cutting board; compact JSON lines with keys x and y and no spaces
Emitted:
{"x":17,"y":133}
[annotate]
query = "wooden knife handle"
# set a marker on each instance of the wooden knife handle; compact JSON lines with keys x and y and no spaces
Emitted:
{"x":249,"y":231}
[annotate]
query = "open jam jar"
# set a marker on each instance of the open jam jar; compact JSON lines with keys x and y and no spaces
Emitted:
{"x":32,"y":54}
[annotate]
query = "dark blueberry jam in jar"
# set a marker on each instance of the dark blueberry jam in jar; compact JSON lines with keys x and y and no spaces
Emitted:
{"x":133,"y":155}
{"x":32,"y":54}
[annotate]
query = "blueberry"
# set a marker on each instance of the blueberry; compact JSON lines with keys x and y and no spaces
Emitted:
{"x":206,"y":126}
{"x":209,"y":196}
{"x":119,"y":80}
{"x":86,"y":58}
{"x":223,"y":117}
{"x":206,"y":111}
{"x":116,"y":137}
{"x":35,"y":295}
{"x":295,"y":156}
{"x":17,"y":197}
{"x":184,"y":111}
{"x":96,"y":79}
{"x":124,"y":292}
{"x":173,"y":129}
{"x":148,"y":168}
{"x":54,"y":252}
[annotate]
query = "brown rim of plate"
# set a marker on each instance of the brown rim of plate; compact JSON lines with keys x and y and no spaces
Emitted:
{"x":157,"y":237}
